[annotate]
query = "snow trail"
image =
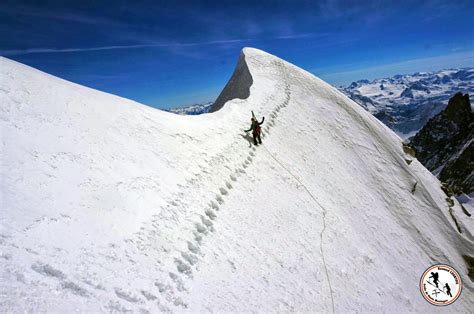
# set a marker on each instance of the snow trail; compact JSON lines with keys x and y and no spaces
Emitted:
{"x":108,"y":205}
{"x":274,"y":115}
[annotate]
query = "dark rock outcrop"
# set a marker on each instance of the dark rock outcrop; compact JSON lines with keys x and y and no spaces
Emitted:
{"x":445,"y":144}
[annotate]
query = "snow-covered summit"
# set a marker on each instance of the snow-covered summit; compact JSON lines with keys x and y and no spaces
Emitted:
{"x":111,"y":205}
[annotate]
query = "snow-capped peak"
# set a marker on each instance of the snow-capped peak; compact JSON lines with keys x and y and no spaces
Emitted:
{"x":405,"y":103}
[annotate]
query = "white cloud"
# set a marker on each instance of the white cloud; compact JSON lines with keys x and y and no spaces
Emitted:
{"x":115,"y":47}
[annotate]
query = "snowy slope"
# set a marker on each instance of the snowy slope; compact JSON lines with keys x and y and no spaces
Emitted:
{"x":406,"y":102}
{"x":111,"y":205}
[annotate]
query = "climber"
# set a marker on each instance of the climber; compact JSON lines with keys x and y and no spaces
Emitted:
{"x":448,"y":290}
{"x":435,"y":277}
{"x":256,"y":129}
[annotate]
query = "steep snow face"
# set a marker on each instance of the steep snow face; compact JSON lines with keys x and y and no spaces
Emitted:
{"x":111,"y":205}
{"x":406,"y":102}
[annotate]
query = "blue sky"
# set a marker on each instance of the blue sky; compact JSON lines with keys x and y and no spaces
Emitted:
{"x":172,"y":53}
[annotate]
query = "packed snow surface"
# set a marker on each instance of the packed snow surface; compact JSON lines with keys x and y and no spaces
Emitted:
{"x":109,"y":205}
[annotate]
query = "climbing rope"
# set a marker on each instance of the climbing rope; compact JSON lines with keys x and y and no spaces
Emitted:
{"x":324,"y":220}
{"x":285,"y":74}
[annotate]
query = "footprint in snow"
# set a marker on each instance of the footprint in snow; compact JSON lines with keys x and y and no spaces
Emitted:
{"x":200,"y":228}
{"x":127,"y":296}
{"x":223,"y":191}
{"x":190,"y":258}
{"x":206,"y":221}
{"x":197,"y":236}
{"x":183,"y":267}
{"x":228,"y":185}
{"x":149,"y":296}
{"x":214,"y":205}
{"x":162,"y":288}
{"x":209,"y":213}
{"x":179,"y":302}
{"x":177,"y":280}
{"x":193,"y":248}
{"x":48,"y":270}
{"x":93,"y":285}
{"x":74,"y":289}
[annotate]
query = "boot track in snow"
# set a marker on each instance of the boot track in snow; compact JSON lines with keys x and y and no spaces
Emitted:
{"x":112,"y":206}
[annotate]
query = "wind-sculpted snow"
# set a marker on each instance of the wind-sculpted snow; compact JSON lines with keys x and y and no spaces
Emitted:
{"x":108,"y":205}
{"x":237,"y":87}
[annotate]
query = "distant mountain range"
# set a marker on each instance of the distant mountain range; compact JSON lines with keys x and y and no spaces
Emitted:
{"x":405,"y":103}
{"x":193,"y":109}
{"x":108,"y":205}
{"x":416,"y":107}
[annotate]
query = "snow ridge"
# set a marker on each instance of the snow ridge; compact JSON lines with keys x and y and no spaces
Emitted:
{"x":274,"y":115}
{"x":126,"y":208}
{"x":237,"y":87}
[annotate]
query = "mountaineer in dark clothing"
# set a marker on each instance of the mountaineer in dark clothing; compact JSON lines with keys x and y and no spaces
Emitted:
{"x":256,"y":129}
{"x":448,"y":290}
{"x":435,"y":277}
